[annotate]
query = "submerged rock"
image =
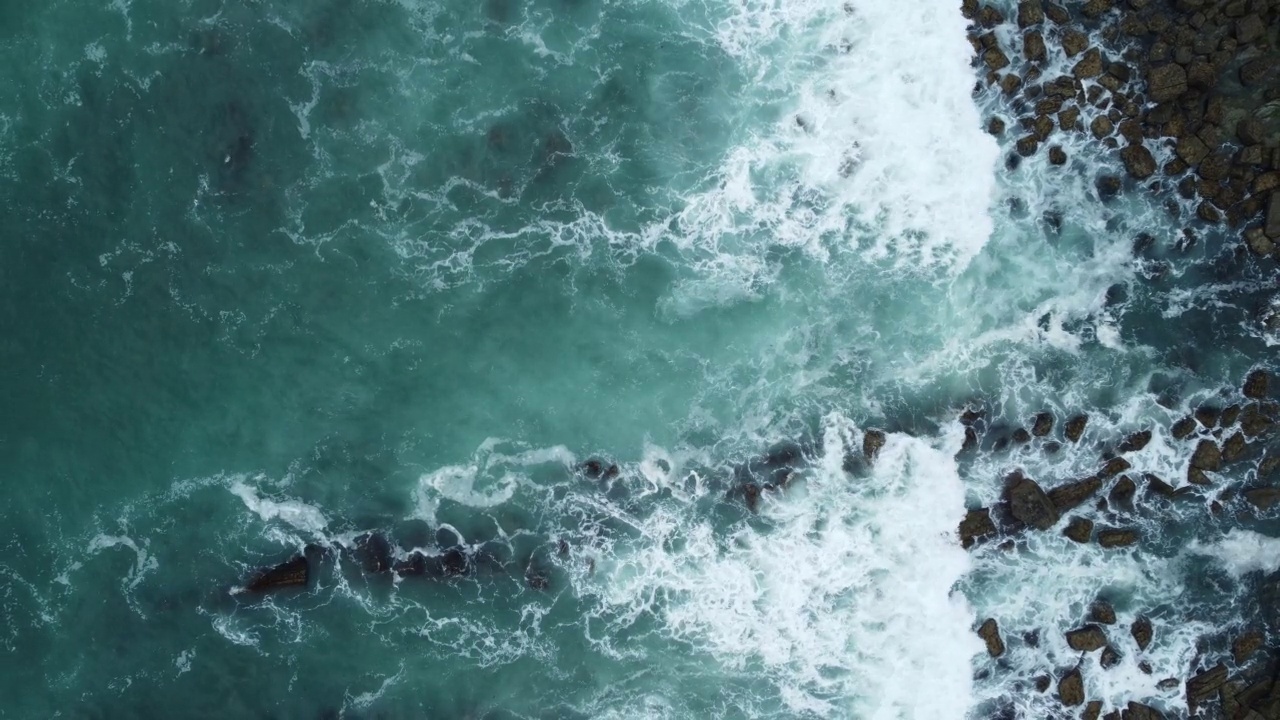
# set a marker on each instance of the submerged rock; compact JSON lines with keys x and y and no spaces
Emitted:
{"x":373,"y":553}
{"x":1086,"y":639}
{"x":292,"y":573}
{"x":990,"y":634}
{"x":1245,"y":646}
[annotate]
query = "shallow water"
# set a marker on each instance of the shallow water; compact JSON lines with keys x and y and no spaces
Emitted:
{"x":283,"y":273}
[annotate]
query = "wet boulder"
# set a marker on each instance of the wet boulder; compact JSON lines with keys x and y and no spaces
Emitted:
{"x":1138,"y":711}
{"x":1072,"y":495}
{"x":1245,"y":646}
{"x":1272,"y":226}
{"x":1115,"y":466}
{"x":1117,"y":537}
{"x":1086,"y":639}
{"x":1102,"y":612}
{"x":989,"y":631}
{"x":1255,"y":420}
{"x":1079,"y":530}
{"x":1122,"y":492}
{"x":1263,"y":498}
{"x":1028,"y":503}
{"x":1234,"y":448}
{"x":1183,"y":429}
{"x":1071,"y":688}
{"x":872,"y":442}
{"x":1139,"y":161}
{"x":1135,"y":442}
{"x":292,"y":573}
{"x":373,"y":553}
{"x":1109,"y":658}
{"x":1075,"y":427}
{"x":1142,"y":632}
{"x":976,"y":525}
{"x":1042,"y":424}
{"x":1255,"y":386}
{"x":1166,"y":82}
{"x":1203,"y":685}
{"x":1207,"y":456}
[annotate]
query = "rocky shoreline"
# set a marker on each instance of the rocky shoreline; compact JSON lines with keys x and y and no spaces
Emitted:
{"x":1186,"y":92}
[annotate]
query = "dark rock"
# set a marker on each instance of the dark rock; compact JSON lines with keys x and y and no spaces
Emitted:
{"x":1250,"y":29}
{"x":1229,"y":416}
{"x":1101,"y":611}
{"x":1208,"y":416}
{"x":1207,"y":212}
{"x":1272,"y":228}
{"x":1042,"y":683}
{"x":1057,"y":13}
{"x":1079,"y":529}
{"x":1191,"y":149}
{"x":1021,"y":436}
{"x":1115,"y":466}
{"x":1031,"y":638}
{"x":1030,"y":12}
{"x":1123,"y":491}
{"x":1029,"y":504}
{"x":292,"y":573}
{"x":1071,"y":688}
{"x":1138,"y":711}
{"x":1042,"y":424}
{"x":1255,"y":386}
{"x":1092,"y":710}
{"x":1234,"y":448}
{"x":1075,"y":427}
{"x":1196,"y":476}
{"x":1115,"y":537}
{"x":1057,"y":156}
{"x":1183,"y":428}
{"x":1166,"y":82}
{"x":1069,"y":119}
{"x":1203,"y":685}
{"x":1201,"y":75}
{"x":1250,"y":131}
{"x":995,"y":59}
{"x":995,"y":126}
{"x":373,"y":553}
{"x":1101,"y":126}
{"x":1255,"y":71}
{"x":1207,"y":456}
{"x":1158,"y":486}
{"x":1010,"y":83}
{"x":989,"y":17}
{"x":872,"y":441}
{"x":1138,"y":161}
{"x":1142,"y":632}
{"x":1089,"y":66}
{"x":1110,"y":658}
{"x":1214,"y":167}
{"x":975,"y":526}
{"x":990,"y":634}
{"x":1087,"y":638}
{"x":1245,"y":646}
{"x":1263,"y":498}
{"x":1136,"y":441}
{"x":1033,"y":48}
{"x":1072,"y":495}
{"x":1074,"y":42}
{"x":1257,"y":240}
{"x":1108,"y":186}
{"x":1266,"y":182}
{"x":1254,"y":420}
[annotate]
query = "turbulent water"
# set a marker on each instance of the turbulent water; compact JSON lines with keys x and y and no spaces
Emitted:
{"x":279,"y":273}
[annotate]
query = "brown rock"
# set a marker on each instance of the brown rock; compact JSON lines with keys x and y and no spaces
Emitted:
{"x":1203,"y":685}
{"x":1123,"y":491}
{"x":1033,"y":48}
{"x":1101,"y":126}
{"x":1030,"y":12}
{"x":1021,"y":436}
{"x":1087,"y":638}
{"x":1057,"y":156}
{"x":1138,"y":161}
{"x":1079,"y":530}
{"x":1266,"y":182}
{"x":1196,"y":476}
{"x":1263,"y":498}
{"x":1028,"y":145}
{"x":1009,"y":84}
{"x":1250,"y":131}
{"x":1234,"y":448}
{"x":975,"y":526}
{"x":1071,"y":688}
{"x":1250,"y":29}
{"x":1182,"y":429}
{"x":1158,"y":486}
{"x":995,"y":126}
{"x":1255,"y":386}
{"x":1229,"y":416}
{"x":1245,"y":646}
{"x":990,"y":634}
{"x":1102,"y":612}
{"x":1042,"y":424}
{"x":1057,"y":13}
{"x":1138,"y":711}
{"x":1255,"y":420}
{"x":1201,"y":75}
{"x":995,"y":59}
{"x":1166,"y":82}
{"x":1142,"y":632}
{"x":1272,"y":228}
{"x":1072,"y":495}
{"x":1090,"y":66}
{"x":989,"y":17}
{"x":1074,"y":42}
{"x":1110,"y":658}
{"x":1256,"y":239}
{"x":1092,"y":710}
{"x":1075,"y":427}
{"x":1208,"y":416}
{"x":1191,"y":149}
{"x":1115,"y":466}
{"x":1207,"y":456}
{"x":1214,"y":167}
{"x":1029,"y":504}
{"x":1042,"y":126}
{"x":1136,"y":441}
{"x":1115,"y":537}
{"x":1255,"y":71}
{"x":872,"y":441}
{"x":1207,"y":212}
{"x":1069,"y":118}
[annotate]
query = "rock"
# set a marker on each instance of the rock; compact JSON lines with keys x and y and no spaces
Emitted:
{"x":1115,"y":537}
{"x":1115,"y":466}
{"x":1087,"y":638}
{"x":1010,"y":83}
{"x":1042,"y":126}
{"x":1075,"y":427}
{"x":1029,"y":504}
{"x":1057,"y":156}
{"x":1110,"y":658}
{"x":872,"y":441}
{"x":1142,"y":632}
{"x":1208,"y":416}
{"x":1234,"y":448}
{"x":1092,"y":710}
{"x":995,"y":126}
{"x":1255,"y":71}
{"x":1138,"y":161}
{"x":1166,"y":82}
{"x":1250,"y":29}
{"x":1033,"y":48}
{"x":1138,"y":711}
{"x":1272,"y":228}
{"x":1072,"y":495}
{"x":373,"y":553}
{"x":1101,"y":611}
{"x":1069,"y":118}
{"x":1079,"y":530}
{"x":1021,"y":436}
{"x":1256,"y":239}
{"x":1250,"y":131}
{"x":1191,"y":149}
{"x":1255,"y":421}
{"x":975,"y":526}
{"x":995,"y":59}
{"x":1203,"y":685}
{"x":1158,"y":486}
{"x":1057,"y":13}
{"x":1183,"y":428}
{"x":1207,"y":212}
{"x":1030,"y":12}
{"x":1042,"y":424}
{"x":1207,"y":456}
{"x":1090,"y":66}
{"x":1214,"y":167}
{"x":1201,"y":75}
{"x":1136,"y":441}
{"x":990,"y":634}
{"x":1196,"y":476}
{"x":1043,"y":682}
{"x":1255,"y":386}
{"x":1123,"y":491}
{"x":1101,"y":126}
{"x":1229,"y":416}
{"x":1245,"y":646}
{"x":292,"y":573}
{"x":1266,"y":182}
{"x":1074,"y":42}
{"x":1263,"y":498}
{"x":1071,"y":688}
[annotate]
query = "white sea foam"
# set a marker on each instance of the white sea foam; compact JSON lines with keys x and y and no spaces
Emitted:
{"x":490,"y":479}
{"x":1241,"y":552}
{"x":846,"y":605}
{"x":295,"y":513}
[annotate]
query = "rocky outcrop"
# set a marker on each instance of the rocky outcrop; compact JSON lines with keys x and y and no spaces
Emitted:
{"x":1072,"y":495}
{"x":1102,"y":612}
{"x":1079,"y":529}
{"x":1135,"y":442}
{"x":1142,"y":632}
{"x":1087,"y":639}
{"x":1075,"y":427}
{"x":1042,"y":424}
{"x":975,"y":526}
{"x":1256,"y":385}
{"x":1028,"y":503}
{"x":1207,"y":456}
{"x":989,"y":631}
{"x":1071,"y":688}
{"x":872,"y":441}
{"x":1203,"y":685}
{"x":289,"y":574}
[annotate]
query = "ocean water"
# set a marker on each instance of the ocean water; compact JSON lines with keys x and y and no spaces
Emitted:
{"x":278,"y":274}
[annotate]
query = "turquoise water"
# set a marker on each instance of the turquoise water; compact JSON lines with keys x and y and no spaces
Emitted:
{"x":278,"y":274}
